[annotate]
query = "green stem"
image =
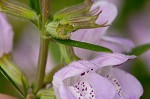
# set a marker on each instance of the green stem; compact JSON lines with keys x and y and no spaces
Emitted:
{"x":42,"y":63}
{"x":44,"y":42}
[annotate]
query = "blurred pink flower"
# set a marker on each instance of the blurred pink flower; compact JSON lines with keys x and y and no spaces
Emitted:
{"x":6,"y":35}
{"x":26,"y":52}
{"x":98,"y":35}
{"x":139,"y":29}
{"x":97,"y":79}
{"x":117,"y":3}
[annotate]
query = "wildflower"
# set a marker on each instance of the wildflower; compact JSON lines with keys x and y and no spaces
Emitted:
{"x":140,"y":32}
{"x":97,"y":79}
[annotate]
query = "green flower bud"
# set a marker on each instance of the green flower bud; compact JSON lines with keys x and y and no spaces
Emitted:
{"x":58,"y":30}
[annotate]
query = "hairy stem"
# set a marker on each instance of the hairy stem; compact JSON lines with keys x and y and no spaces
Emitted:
{"x":42,"y":60}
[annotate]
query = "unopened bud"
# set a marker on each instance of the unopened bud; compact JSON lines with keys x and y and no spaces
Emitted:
{"x":57,"y":30}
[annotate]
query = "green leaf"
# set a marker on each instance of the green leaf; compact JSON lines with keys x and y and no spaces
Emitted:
{"x":83,"y":45}
{"x":11,"y":81}
{"x":140,"y":49}
{"x":34,"y":4}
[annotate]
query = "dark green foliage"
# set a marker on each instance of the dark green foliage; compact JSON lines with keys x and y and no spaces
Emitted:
{"x":140,"y":49}
{"x":140,"y":71}
{"x":34,"y":4}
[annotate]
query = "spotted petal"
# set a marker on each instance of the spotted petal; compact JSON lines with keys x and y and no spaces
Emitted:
{"x":66,"y":79}
{"x":74,"y":69}
{"x":127,"y":86}
{"x":103,"y":88}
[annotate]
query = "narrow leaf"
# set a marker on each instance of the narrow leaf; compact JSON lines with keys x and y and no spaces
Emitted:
{"x":34,"y":4}
{"x":140,"y":49}
{"x":11,"y":81}
{"x":83,"y":45}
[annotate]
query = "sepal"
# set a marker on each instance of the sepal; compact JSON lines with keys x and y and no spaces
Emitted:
{"x":17,"y":10}
{"x":46,"y":94}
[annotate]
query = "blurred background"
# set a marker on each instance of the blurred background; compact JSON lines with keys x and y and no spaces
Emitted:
{"x":133,"y":22}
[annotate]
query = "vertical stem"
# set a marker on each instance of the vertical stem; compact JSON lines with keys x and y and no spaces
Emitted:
{"x":42,"y":60}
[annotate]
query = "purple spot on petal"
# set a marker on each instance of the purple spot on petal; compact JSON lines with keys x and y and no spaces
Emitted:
{"x":83,"y":74}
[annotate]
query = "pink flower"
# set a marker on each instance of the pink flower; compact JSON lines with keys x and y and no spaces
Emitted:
{"x":140,"y":32}
{"x":98,"y":36}
{"x":97,"y":79}
{"x":6,"y":36}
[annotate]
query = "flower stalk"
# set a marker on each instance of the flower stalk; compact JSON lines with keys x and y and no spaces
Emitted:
{"x":44,"y":42}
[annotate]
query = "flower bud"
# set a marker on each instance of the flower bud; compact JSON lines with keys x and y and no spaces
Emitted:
{"x":57,"y":30}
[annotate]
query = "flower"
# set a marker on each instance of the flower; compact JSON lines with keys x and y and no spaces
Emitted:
{"x":6,"y":36}
{"x":97,"y":79}
{"x":140,"y":32}
{"x":98,"y":35}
